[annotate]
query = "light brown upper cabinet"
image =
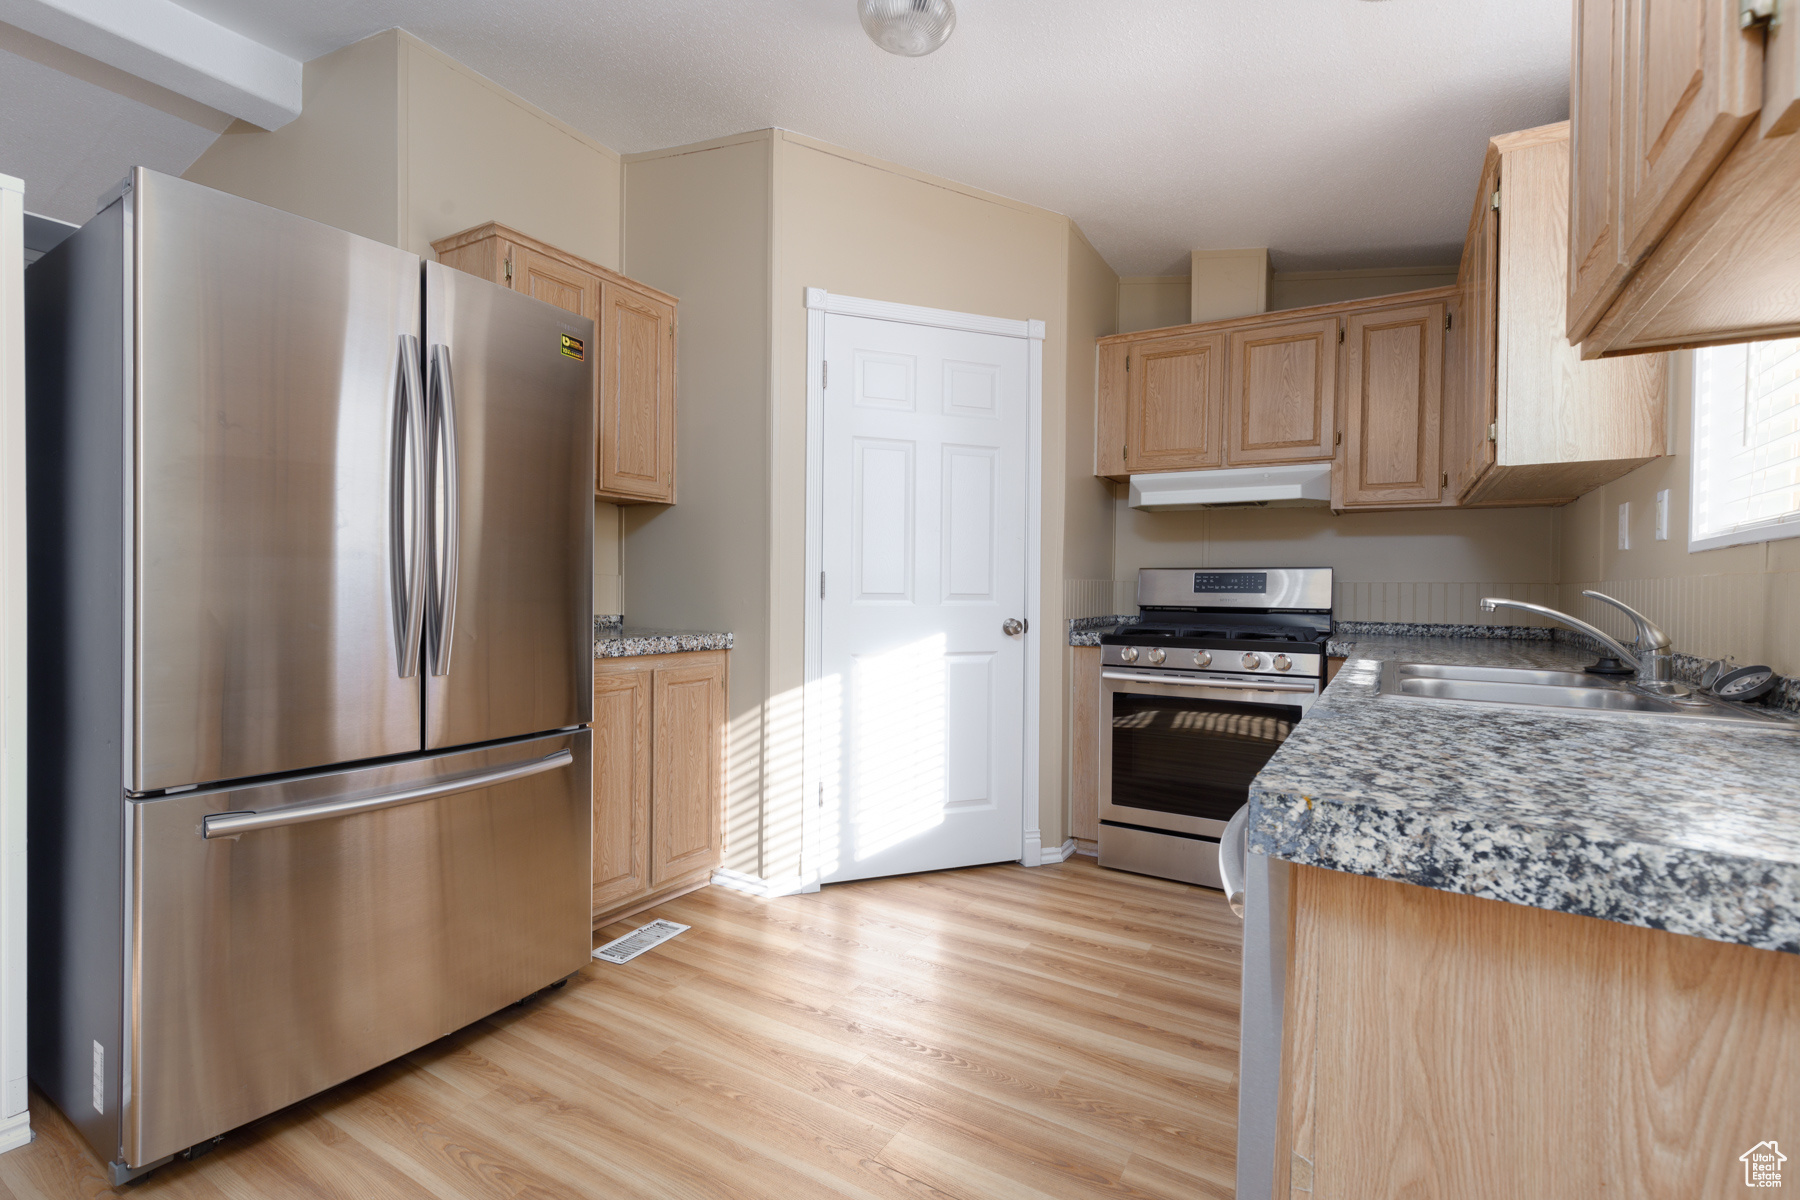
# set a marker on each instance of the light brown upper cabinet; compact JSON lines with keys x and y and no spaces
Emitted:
{"x":1176,"y":403}
{"x":1685,"y":204}
{"x":1233,"y":393}
{"x":1537,"y":425}
{"x":1283,"y":398}
{"x":637,"y":393}
{"x":634,"y":360}
{"x":1393,"y":408}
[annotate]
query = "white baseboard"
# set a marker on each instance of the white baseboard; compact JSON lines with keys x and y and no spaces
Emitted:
{"x":1036,"y":855}
{"x":756,"y":885}
{"x":15,"y":1131}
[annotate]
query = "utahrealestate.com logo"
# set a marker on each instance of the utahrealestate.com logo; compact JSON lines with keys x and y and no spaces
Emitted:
{"x":1762,"y":1165}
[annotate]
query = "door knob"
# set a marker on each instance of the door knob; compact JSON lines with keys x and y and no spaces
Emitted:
{"x":1012,"y":627}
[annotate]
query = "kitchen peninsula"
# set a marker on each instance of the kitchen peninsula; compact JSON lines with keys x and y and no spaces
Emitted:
{"x":1510,"y":932}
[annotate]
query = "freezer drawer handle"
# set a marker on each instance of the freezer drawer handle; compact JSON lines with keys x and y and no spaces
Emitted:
{"x":231,"y":824}
{"x":406,"y":497}
{"x":448,"y":543}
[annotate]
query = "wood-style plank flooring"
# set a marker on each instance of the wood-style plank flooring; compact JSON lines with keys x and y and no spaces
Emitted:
{"x":982,"y":1034}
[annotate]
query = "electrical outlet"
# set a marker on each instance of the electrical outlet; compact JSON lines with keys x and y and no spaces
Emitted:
{"x":1625,"y":526}
{"x":1662,"y":515}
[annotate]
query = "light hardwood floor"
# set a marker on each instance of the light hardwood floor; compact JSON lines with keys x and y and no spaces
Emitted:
{"x":982,"y":1034}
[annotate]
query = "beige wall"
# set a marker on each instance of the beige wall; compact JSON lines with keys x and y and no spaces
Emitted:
{"x":1301,"y":289}
{"x":1228,"y":283}
{"x":739,"y":228}
{"x":1739,"y":601}
{"x":935,"y":243}
{"x":400,"y":143}
{"x":1432,"y":565}
{"x":338,"y":162}
{"x":1087,"y":499}
{"x":697,"y":226}
{"x":1151,"y":302}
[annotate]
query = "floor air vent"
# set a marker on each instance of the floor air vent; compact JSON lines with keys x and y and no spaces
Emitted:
{"x":624,"y":949}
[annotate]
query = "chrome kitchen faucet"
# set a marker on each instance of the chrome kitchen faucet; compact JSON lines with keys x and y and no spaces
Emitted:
{"x":1651,"y":654}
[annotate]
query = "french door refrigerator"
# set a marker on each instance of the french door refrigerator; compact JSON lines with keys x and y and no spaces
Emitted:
{"x":311,"y":653}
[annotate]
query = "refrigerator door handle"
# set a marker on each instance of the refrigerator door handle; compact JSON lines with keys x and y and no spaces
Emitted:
{"x":443,"y":414}
{"x":232,"y":824}
{"x":406,"y":497}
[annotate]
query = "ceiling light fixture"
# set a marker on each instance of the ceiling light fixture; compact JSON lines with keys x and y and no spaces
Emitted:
{"x":909,"y":27}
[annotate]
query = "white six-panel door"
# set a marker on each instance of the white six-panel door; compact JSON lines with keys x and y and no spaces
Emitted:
{"x":920,"y":695}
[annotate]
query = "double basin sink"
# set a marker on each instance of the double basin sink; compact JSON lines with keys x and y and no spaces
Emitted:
{"x":1571,"y":692}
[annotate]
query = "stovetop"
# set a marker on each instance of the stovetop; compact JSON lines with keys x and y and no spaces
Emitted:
{"x":1191,"y":643}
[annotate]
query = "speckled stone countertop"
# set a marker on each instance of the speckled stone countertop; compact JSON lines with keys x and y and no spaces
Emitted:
{"x":1086,"y":631}
{"x":614,"y":639}
{"x":1689,"y":828}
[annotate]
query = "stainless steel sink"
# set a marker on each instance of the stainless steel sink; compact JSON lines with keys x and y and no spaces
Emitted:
{"x":1569,"y":692}
{"x":1573,"y":679}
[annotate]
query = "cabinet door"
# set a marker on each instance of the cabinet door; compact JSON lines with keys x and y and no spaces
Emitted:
{"x":622,"y":736}
{"x":554,"y":282}
{"x":1473,"y":451}
{"x":1283,"y":393}
{"x":1110,"y":407}
{"x":688,"y":753}
{"x":637,"y":395}
{"x":1597,"y":266}
{"x":1176,"y":388}
{"x":1394,"y":406}
{"x":1692,"y":81}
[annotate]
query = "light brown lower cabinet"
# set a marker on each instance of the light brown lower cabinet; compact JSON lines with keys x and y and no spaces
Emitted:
{"x":659,"y":771}
{"x":1445,"y":1045}
{"x":1084,"y":747}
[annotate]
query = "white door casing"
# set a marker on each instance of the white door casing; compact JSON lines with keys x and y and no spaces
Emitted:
{"x":922,"y":526}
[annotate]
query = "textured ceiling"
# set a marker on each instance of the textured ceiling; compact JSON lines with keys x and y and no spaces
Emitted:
{"x":1340,"y":133}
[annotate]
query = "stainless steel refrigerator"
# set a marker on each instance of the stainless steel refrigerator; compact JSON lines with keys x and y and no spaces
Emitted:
{"x":311,"y":652}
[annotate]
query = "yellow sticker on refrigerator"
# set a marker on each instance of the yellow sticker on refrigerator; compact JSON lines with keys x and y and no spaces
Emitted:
{"x":572,"y":347}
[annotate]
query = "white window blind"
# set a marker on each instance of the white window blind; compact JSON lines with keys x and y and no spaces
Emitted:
{"x":1746,"y":461}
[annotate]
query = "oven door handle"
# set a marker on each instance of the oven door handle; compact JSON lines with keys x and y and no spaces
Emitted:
{"x":1240,"y":685}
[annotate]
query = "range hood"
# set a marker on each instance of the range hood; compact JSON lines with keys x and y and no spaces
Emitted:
{"x":1291,"y":485}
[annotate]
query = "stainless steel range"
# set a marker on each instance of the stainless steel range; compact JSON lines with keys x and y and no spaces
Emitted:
{"x":1195,"y":699}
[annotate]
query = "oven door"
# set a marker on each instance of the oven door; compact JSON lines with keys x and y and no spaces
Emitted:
{"x":1178,"y":754}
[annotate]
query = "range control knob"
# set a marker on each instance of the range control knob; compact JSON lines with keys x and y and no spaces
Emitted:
{"x":1129,"y":654}
{"x":1283,"y":662}
{"x":1252,"y":661}
{"x":1203,"y":658}
{"x":1156,"y":656}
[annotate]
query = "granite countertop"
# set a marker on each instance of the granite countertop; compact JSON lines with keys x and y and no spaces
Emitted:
{"x":1086,"y":631}
{"x":615,"y":639}
{"x":1693,"y":829}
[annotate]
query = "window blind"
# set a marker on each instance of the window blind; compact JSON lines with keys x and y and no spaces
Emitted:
{"x":1746,"y":457}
